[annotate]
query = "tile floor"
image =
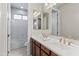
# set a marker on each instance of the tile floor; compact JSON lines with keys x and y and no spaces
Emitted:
{"x":19,"y":52}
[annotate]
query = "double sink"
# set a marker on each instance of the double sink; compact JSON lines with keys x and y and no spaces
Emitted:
{"x":56,"y":40}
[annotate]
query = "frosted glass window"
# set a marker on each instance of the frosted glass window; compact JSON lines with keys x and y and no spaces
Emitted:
{"x":17,"y":17}
{"x":24,"y":17}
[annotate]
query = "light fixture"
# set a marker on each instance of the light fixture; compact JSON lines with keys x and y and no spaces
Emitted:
{"x":51,"y":5}
{"x":35,"y":13}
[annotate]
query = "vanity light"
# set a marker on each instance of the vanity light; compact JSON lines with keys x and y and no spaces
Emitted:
{"x":50,"y":5}
{"x":36,"y":14}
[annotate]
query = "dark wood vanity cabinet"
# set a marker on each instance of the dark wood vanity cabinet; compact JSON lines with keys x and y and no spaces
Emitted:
{"x":53,"y":54}
{"x":38,"y":49}
{"x":35,"y":48}
{"x":32,"y":46}
{"x":43,"y":53}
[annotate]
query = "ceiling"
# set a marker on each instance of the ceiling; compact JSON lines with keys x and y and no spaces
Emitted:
{"x":22,"y":6}
{"x":58,"y":5}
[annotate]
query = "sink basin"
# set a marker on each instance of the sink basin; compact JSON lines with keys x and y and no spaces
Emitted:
{"x":74,"y":45}
{"x":52,"y":39}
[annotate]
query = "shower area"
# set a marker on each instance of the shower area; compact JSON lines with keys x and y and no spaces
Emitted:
{"x":18,"y":27}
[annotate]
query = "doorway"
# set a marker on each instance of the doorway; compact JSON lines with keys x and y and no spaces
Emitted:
{"x":18,"y":28}
{"x":55,"y":23}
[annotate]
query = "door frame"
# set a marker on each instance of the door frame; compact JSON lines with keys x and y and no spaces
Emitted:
{"x":58,"y":20}
{"x":8,"y":28}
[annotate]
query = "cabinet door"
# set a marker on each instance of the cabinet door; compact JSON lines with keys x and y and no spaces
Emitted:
{"x":37,"y":51}
{"x":43,"y":53}
{"x":31,"y":45}
{"x":45,"y":49}
{"x":53,"y":54}
{"x":33,"y":49}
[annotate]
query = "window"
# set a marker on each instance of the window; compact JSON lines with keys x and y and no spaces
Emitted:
{"x":17,"y":16}
{"x":24,"y":17}
{"x":20,"y":17}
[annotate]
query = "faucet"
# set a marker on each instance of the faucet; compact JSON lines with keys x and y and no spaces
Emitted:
{"x":65,"y":41}
{"x":44,"y":36}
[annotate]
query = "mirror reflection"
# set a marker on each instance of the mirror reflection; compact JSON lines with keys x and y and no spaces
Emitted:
{"x":36,"y":19}
{"x":45,"y":20}
{"x":63,"y":21}
{"x":40,"y":20}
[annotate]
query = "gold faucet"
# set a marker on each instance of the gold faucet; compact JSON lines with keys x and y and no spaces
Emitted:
{"x":44,"y":36}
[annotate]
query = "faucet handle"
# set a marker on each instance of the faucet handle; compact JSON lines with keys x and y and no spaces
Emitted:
{"x":69,"y":43}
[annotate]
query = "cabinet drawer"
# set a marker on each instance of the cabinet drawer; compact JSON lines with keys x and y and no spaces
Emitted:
{"x":38,"y":44}
{"x":53,"y":54}
{"x":45,"y":49}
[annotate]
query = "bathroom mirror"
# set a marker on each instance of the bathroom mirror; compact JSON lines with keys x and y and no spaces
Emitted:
{"x":65,"y":22}
{"x":36,"y":20}
{"x":45,"y":20}
{"x":40,"y":20}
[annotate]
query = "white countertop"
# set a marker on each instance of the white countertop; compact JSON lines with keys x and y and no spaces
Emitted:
{"x":58,"y":48}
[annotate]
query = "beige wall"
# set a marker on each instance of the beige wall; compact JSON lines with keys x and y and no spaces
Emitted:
{"x":70,"y":20}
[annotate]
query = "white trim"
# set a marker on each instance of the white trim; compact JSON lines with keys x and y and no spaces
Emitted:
{"x":3,"y":29}
{"x":8,"y":27}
